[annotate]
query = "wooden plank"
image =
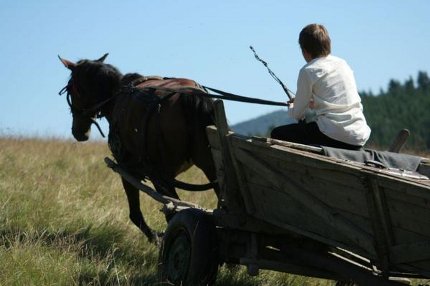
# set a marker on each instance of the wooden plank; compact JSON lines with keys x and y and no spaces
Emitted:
{"x":295,"y":156}
{"x":294,"y":215}
{"x":404,"y":236}
{"x":339,"y":198}
{"x":381,"y":224}
{"x":298,"y":146}
{"x":413,"y":252}
{"x":413,"y":196}
{"x":288,"y":162}
{"x":213,"y":137}
{"x":147,"y":190}
{"x":354,"y":234}
{"x":266,"y":191}
{"x":321,"y":189}
{"x":334,"y":187}
{"x":290,"y":212}
{"x":420,"y":267}
{"x":334,"y":163}
{"x":409,"y":206}
{"x":290,"y":217}
{"x":220,"y":119}
{"x":232,"y":186}
{"x":407,"y":187}
{"x":217,"y":157}
{"x":410,"y":217}
{"x":321,"y":170}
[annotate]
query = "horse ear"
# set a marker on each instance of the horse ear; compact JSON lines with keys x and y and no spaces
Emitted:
{"x":102,"y":58}
{"x":68,"y":64}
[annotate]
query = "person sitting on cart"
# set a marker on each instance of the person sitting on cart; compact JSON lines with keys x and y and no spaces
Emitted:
{"x":325,"y":86}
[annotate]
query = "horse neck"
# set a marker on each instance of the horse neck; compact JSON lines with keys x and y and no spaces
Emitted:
{"x":111,"y":95}
{"x":107,"y":110}
{"x":104,"y":84}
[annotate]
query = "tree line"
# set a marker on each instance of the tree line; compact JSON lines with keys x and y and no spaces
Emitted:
{"x":402,"y":105}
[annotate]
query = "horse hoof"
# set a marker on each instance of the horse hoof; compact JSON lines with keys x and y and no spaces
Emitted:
{"x":156,"y":238}
{"x":159,"y":238}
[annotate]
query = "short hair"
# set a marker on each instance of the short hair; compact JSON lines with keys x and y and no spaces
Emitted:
{"x":314,"y":38}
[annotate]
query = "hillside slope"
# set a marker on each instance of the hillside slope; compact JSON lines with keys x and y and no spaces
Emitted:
{"x":261,"y":126}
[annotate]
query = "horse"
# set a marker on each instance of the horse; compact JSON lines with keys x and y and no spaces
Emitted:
{"x":156,"y":131}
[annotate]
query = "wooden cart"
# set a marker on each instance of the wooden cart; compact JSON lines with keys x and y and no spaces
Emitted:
{"x":287,"y":207}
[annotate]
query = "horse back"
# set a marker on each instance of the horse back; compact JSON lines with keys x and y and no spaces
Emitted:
{"x":153,"y":130}
{"x":171,"y":83}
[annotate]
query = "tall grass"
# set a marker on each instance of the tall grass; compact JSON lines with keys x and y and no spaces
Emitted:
{"x":64,"y":221}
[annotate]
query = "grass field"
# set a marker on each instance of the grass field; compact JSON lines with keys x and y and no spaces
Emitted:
{"x":64,"y":221}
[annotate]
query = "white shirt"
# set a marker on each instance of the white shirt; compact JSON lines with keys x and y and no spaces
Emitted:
{"x":329,"y":82}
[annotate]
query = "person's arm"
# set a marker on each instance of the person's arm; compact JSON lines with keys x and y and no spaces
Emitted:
{"x":303,"y":96}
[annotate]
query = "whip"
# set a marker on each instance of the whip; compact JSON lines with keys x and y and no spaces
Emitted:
{"x":286,"y":90}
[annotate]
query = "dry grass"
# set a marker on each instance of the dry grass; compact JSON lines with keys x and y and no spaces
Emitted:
{"x":64,"y":221}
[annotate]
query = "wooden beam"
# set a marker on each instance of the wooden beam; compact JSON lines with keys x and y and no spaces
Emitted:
{"x":147,"y":190}
{"x":381,"y":223}
{"x":235,"y":182}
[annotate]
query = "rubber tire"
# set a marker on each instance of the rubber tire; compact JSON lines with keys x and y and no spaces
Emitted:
{"x":189,"y":252}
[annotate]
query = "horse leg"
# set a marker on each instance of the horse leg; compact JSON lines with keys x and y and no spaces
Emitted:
{"x":135,"y":213}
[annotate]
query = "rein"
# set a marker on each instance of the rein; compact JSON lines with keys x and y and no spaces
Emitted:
{"x":94,"y":110}
{"x":220,"y":95}
{"x":234,"y":97}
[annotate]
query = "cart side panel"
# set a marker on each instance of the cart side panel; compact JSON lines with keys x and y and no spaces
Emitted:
{"x":378,"y":216}
{"x":295,"y":200}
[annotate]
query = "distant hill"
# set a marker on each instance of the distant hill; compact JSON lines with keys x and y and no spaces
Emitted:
{"x":261,"y":125}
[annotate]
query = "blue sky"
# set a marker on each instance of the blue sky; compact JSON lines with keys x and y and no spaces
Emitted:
{"x":207,"y":41}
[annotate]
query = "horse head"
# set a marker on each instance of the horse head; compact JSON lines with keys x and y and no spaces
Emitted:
{"x":91,"y":87}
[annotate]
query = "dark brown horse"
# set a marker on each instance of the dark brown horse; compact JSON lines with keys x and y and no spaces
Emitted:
{"x":154,"y":131}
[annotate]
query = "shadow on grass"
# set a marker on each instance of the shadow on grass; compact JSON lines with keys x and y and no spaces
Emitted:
{"x":105,"y":256}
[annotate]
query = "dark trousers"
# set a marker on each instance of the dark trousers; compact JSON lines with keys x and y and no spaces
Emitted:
{"x":309,"y":134}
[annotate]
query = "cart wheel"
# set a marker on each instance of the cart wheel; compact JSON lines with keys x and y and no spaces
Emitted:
{"x":189,"y":253}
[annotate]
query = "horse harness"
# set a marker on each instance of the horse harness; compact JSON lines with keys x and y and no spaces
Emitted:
{"x":92,"y":112}
{"x":153,"y":108}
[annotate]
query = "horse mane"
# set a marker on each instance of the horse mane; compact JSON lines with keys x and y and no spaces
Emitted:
{"x":128,"y":78}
